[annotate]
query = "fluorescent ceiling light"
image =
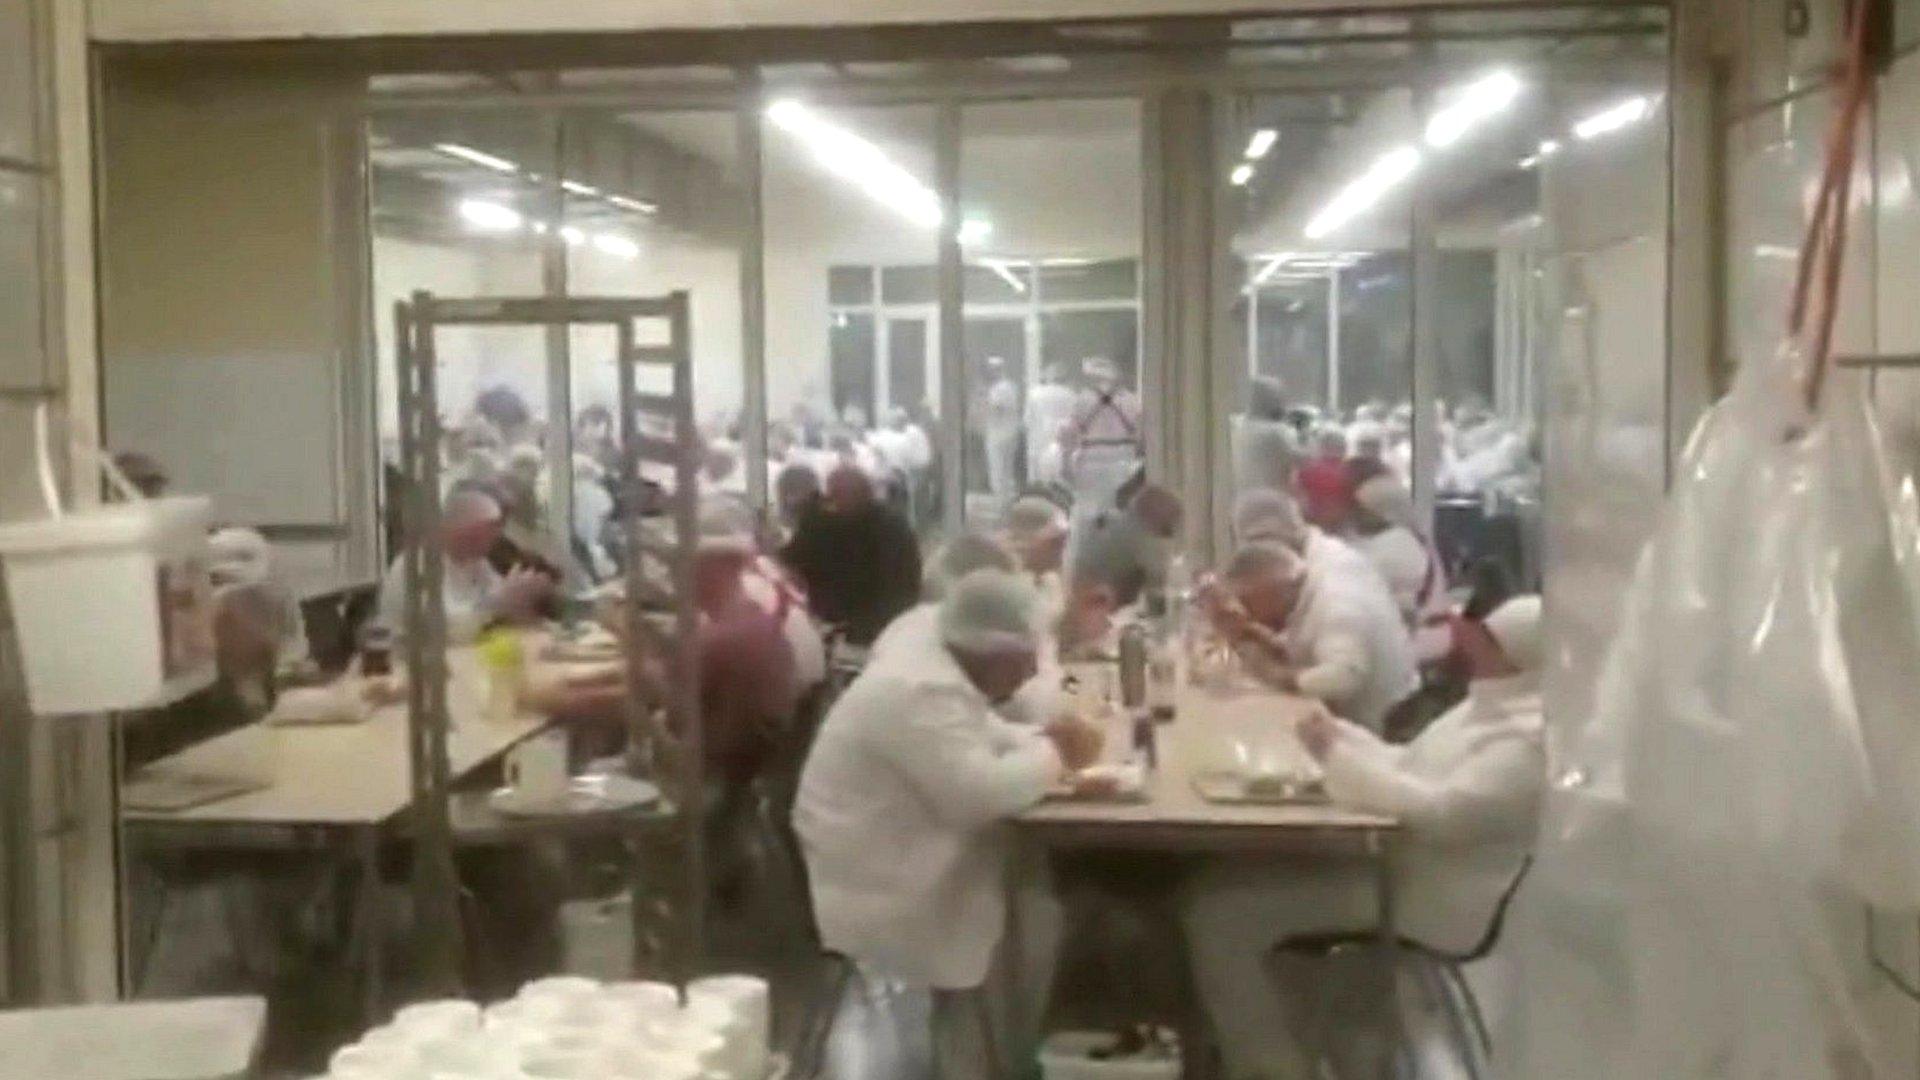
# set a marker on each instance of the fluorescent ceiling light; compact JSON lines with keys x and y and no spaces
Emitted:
{"x":1387,"y":170}
{"x":638,"y":206}
{"x":1548,"y":148}
{"x":616,"y":245}
{"x":1261,"y":142}
{"x":975,"y":230}
{"x":1531,"y":161}
{"x":540,"y":228}
{"x":1006,"y":274}
{"x":476,"y":157}
{"x":859,"y":162}
{"x":1614,"y":117}
{"x":1241,"y":173}
{"x":579,"y":188}
{"x":1478,"y":101}
{"x":572,"y":235}
{"x":490,"y":216}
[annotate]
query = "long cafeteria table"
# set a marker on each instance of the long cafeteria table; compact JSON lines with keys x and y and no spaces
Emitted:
{"x":1173,"y":818}
{"x":337,"y":790}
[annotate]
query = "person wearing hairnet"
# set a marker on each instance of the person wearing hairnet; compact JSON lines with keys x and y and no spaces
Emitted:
{"x":1004,"y":421}
{"x":1265,"y":450}
{"x":1101,"y":442}
{"x":858,"y":557}
{"x":902,"y":805}
{"x":1324,"y":482}
{"x":1035,"y":530}
{"x":1466,"y":792}
{"x":1306,"y":631}
{"x":474,"y":594}
{"x":1049,"y":407}
{"x":1388,"y":532}
{"x":1263,"y":515}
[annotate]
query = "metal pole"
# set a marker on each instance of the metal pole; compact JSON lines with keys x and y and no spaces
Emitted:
{"x":1425,"y":271}
{"x":559,"y":340}
{"x":1333,"y":339}
{"x":1253,"y":325}
{"x":23,"y":981}
{"x":753,"y":286}
{"x":953,"y":364}
{"x":686,"y":655}
{"x":435,"y":882}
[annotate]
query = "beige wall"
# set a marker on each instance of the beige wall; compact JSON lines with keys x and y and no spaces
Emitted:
{"x":230,"y":306}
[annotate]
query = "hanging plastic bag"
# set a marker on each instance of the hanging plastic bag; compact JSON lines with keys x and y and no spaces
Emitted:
{"x":1749,"y":778}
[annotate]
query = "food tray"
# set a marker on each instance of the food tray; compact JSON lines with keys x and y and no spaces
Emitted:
{"x":1226,"y":786}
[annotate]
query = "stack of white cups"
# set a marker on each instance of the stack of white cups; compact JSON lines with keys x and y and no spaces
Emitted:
{"x":573,"y":1028}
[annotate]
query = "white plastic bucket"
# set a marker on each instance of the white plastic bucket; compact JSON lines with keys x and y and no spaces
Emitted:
{"x":114,"y":605}
{"x":1067,"y":1055}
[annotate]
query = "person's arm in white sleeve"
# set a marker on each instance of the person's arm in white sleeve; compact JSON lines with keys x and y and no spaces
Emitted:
{"x":956,"y":760}
{"x":1498,"y":785}
{"x":1338,"y":667}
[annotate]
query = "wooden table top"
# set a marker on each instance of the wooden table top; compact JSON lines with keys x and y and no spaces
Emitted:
{"x":342,"y":774}
{"x":1211,"y":730}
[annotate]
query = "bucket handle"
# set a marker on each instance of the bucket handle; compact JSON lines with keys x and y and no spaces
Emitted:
{"x":50,"y":487}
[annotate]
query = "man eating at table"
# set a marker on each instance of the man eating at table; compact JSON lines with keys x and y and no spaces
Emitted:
{"x":1466,"y":792}
{"x":1322,"y":633}
{"x":904,"y":799}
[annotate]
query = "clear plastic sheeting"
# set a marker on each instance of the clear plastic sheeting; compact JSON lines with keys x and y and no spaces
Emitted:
{"x":1748,"y":780}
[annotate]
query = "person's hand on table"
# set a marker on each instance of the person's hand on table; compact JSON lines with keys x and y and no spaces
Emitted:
{"x":1078,"y":741}
{"x":1318,"y":730}
{"x":1088,"y":615}
{"x":1100,"y":785}
{"x":522,"y":592}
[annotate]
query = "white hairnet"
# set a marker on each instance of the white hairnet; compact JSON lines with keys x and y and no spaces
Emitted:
{"x":1388,"y":499}
{"x":991,"y":611}
{"x":1516,"y":625}
{"x":470,"y":506}
{"x":1263,"y":514}
{"x":726,"y":524}
{"x":239,"y":557}
{"x":1031,"y":518}
{"x":960,"y":556}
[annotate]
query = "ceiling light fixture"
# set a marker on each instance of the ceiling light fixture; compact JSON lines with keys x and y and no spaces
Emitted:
{"x":1261,"y":142}
{"x":1548,"y":148}
{"x":490,"y":216}
{"x":477,"y":157}
{"x":1475,"y":103}
{"x":1241,"y":173}
{"x":1614,"y":117}
{"x":572,"y":235}
{"x":975,"y":230}
{"x":638,"y":206}
{"x":616,"y":245}
{"x":1386,"y":172}
{"x":578,"y":188}
{"x":859,"y":162}
{"x":1006,"y":274}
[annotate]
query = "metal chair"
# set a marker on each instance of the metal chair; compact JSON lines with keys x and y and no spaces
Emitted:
{"x":1443,"y":970}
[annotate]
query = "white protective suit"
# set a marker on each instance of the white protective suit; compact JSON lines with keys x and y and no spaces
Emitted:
{"x":901,"y":816}
{"x":1467,"y":790}
{"x":1003,"y":438}
{"x":470,"y":594}
{"x":1049,"y":410}
{"x":1349,"y":645}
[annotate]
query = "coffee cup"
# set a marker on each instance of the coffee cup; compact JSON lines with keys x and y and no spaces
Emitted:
{"x":537,"y":768}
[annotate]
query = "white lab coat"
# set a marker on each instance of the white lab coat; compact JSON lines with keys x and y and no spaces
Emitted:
{"x":470,"y":593}
{"x":1419,"y":586}
{"x":1349,"y":645}
{"x":1468,"y":791}
{"x":901,"y":816}
{"x":1049,"y":409}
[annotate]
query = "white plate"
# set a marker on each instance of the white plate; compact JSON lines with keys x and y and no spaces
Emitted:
{"x":586,"y":795}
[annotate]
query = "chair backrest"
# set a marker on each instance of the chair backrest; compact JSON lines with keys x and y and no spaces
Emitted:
{"x":1491,"y":939}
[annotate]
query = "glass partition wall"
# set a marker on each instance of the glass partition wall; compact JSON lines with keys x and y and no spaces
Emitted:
{"x":1250,"y":251}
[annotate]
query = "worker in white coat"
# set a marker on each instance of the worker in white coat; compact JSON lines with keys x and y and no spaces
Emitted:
{"x":1049,"y":408}
{"x":1264,"y":515}
{"x":905,"y":797}
{"x":1466,"y":791}
{"x":1323,"y":634}
{"x":1388,"y":531}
